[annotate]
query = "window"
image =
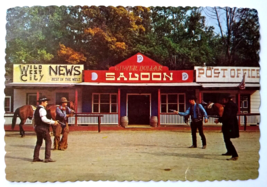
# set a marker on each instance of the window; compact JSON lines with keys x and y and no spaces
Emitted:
{"x":7,"y":103}
{"x":104,"y":103}
{"x":244,"y":103}
{"x":58,"y":97}
{"x":172,"y":101}
{"x":31,"y":99}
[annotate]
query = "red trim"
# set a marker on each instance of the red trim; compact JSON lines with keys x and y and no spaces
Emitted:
{"x":100,"y":113}
{"x":110,"y":128}
{"x":37,"y":95}
{"x":199,"y":97}
{"x":119,"y":106}
{"x":159,"y":107}
{"x":76,"y":106}
{"x":238,"y":105}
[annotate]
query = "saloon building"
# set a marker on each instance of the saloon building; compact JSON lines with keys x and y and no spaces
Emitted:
{"x":135,"y":92}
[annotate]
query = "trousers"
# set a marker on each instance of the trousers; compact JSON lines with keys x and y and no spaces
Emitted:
{"x":42,"y":133}
{"x":228,"y":144}
{"x":63,"y":142}
{"x":194,"y":126}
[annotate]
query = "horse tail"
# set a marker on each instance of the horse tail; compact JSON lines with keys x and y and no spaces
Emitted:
{"x":14,"y":119}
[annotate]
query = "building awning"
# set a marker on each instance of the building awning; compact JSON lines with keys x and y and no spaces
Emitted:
{"x":204,"y":85}
{"x":137,"y":84}
{"x":231,"y":85}
{"x":41,"y":85}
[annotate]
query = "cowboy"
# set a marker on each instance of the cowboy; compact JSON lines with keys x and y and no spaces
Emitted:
{"x":42,"y":125}
{"x":63,"y":112}
{"x":197,"y":112}
{"x":230,"y":127}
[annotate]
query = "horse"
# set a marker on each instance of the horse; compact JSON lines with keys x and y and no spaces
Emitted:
{"x":27,"y":111}
{"x":23,"y":113}
{"x":212,"y":109}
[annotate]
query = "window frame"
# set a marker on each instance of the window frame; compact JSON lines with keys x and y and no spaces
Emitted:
{"x":28,"y":99}
{"x":98,"y":103}
{"x":167,"y":102}
{"x":59,"y":95}
{"x":8,"y":97}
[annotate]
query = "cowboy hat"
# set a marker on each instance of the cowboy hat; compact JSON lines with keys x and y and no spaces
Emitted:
{"x":228,"y":96}
{"x":42,"y":99}
{"x":191,"y":97}
{"x":64,"y":100}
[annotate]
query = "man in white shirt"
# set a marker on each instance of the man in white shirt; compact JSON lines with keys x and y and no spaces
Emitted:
{"x":42,"y":131}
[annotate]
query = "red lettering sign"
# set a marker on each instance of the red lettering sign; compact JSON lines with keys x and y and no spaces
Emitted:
{"x":138,"y":69}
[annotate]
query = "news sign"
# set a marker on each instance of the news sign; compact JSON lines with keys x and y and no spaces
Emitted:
{"x":48,"y":73}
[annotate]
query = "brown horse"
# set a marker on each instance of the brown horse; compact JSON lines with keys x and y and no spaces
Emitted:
{"x":23,"y":113}
{"x":212,"y":109}
{"x":27,"y":111}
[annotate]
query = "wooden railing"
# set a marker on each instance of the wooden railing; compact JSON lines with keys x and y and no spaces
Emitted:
{"x":85,"y":114}
{"x":246,"y":119}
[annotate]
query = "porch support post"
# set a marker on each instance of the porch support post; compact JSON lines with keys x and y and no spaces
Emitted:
{"x":38,"y":96}
{"x":76,"y":106}
{"x":238,"y":105}
{"x":159,"y":104}
{"x":119,"y":107}
{"x":199,"y":96}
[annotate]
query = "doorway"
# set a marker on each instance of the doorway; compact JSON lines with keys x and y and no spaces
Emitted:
{"x":139,"y":109}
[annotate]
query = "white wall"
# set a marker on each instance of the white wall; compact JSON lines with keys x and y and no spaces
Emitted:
{"x":255,"y":102}
{"x":21,"y":94}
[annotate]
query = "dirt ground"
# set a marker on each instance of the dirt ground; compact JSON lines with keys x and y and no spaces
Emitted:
{"x":133,"y":156}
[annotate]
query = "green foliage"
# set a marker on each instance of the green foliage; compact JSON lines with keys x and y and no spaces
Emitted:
{"x":100,"y":37}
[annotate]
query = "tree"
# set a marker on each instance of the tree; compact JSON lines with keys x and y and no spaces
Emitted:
{"x":111,"y":32}
{"x":180,"y":37}
{"x":239,"y":35}
{"x":34,"y":34}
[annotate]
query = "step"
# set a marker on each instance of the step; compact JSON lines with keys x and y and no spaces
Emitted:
{"x":138,"y":126}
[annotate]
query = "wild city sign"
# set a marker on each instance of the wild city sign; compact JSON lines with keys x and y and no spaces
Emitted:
{"x":227,"y":74}
{"x":48,"y":73}
{"x":138,"y":69}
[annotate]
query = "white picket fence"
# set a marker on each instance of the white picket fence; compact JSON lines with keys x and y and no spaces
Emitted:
{"x":108,"y":119}
{"x":166,"y":119}
{"x":112,"y":119}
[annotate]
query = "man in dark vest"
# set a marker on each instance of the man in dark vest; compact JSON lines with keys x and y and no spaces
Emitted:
{"x":230,"y":127}
{"x":42,"y":125}
{"x":196,"y":111}
{"x":63,"y":112}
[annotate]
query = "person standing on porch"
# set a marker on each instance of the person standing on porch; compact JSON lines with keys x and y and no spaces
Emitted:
{"x":63,"y":112}
{"x":42,"y":125}
{"x":230,"y":127}
{"x":196,"y":111}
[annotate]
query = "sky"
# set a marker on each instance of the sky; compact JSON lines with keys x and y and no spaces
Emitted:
{"x":260,"y":5}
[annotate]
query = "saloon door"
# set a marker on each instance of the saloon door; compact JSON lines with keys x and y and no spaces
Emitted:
{"x":139,"y":109}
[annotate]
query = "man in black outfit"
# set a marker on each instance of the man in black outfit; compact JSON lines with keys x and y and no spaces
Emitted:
{"x":197,"y":112}
{"x":42,"y":125}
{"x":230,"y":127}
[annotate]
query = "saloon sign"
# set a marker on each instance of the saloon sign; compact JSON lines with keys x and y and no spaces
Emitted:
{"x":227,"y":74}
{"x":38,"y":73}
{"x":138,"y":69}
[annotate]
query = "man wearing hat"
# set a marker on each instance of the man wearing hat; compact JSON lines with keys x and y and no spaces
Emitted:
{"x":42,"y":125}
{"x":230,"y":127}
{"x":197,"y":112}
{"x":63,"y":112}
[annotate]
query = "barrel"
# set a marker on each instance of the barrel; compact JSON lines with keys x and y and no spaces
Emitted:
{"x":154,"y":121}
{"x":124,"y":121}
